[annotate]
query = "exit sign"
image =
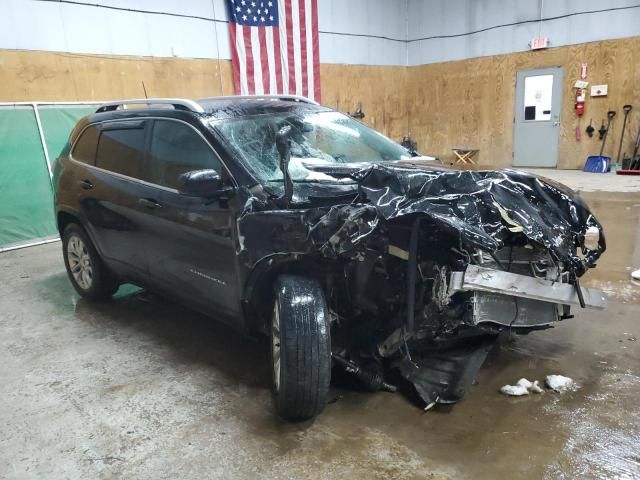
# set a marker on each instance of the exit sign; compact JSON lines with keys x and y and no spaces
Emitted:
{"x":540,"y":42}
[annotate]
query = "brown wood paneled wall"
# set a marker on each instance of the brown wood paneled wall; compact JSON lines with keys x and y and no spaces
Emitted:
{"x":442,"y":105}
{"x":471,"y":101}
{"x":51,"y":76}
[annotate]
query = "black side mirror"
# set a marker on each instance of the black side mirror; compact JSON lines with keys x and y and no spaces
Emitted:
{"x":202,"y":183}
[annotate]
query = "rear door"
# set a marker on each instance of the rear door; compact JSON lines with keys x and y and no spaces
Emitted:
{"x":110,"y":190}
{"x":191,"y":249}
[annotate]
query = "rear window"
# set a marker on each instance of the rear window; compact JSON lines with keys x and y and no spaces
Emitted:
{"x":85,"y":148}
{"x":121,"y":149}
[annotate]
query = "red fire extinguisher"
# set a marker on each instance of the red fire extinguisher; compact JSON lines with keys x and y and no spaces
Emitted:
{"x":580,"y":97}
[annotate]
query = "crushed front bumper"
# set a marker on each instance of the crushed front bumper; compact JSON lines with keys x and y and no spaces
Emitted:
{"x":516,"y":300}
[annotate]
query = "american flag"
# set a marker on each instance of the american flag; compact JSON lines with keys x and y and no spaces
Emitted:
{"x":274,"y":47}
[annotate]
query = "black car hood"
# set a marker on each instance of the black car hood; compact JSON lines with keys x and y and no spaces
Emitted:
{"x":480,"y":208}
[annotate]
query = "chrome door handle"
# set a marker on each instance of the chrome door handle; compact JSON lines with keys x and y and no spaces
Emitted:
{"x":149,"y":203}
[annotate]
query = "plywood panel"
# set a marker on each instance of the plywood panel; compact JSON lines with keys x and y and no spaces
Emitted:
{"x":472,"y":101}
{"x":28,"y":76}
{"x":51,"y":76}
{"x":380,"y":90}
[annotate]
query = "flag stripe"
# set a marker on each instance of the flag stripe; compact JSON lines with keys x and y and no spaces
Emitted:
{"x":303,"y":49}
{"x":266,"y":39}
{"x":257,"y":60}
{"x":278,"y":60}
{"x":316,"y":52}
{"x":251,"y":84}
{"x":242,"y":56}
{"x":308,"y":58}
{"x":297,"y":45}
{"x":235,"y":61}
{"x":290,"y":47}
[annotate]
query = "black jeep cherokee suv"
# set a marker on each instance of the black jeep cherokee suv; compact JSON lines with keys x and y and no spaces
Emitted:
{"x":283,"y":217}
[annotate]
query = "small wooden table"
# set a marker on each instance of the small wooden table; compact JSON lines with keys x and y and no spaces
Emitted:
{"x":465,"y":154}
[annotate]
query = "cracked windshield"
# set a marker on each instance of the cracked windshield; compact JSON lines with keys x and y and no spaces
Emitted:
{"x":318,"y":138}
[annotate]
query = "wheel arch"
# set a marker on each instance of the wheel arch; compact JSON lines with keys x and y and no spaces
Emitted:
{"x":258,"y":292}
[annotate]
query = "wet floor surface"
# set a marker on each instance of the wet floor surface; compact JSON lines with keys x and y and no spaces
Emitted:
{"x":143,"y":388}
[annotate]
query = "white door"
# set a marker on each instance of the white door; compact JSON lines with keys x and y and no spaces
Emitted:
{"x":537,"y":117}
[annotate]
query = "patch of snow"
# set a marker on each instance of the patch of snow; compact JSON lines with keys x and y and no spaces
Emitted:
{"x":514,"y":390}
{"x":559,"y":383}
{"x":522,"y":387}
{"x":535,"y":387}
{"x":523,"y":382}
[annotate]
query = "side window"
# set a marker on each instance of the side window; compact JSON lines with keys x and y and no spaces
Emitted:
{"x":177,"y":148}
{"x":85,"y":148}
{"x":121,"y":149}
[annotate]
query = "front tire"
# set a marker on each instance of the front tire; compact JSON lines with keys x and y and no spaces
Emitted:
{"x":87,"y":273}
{"x":300,"y":348}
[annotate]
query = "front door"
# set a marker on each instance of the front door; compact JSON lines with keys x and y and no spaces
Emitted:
{"x":537,"y":117}
{"x":192,"y":249}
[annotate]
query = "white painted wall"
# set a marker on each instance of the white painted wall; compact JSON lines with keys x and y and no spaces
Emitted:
{"x":56,"y":26}
{"x":370,"y":19}
{"x":433,"y":18}
{"x":373,"y":32}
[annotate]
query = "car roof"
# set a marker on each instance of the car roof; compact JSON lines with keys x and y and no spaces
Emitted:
{"x":224,"y":107}
{"x":238,"y":106}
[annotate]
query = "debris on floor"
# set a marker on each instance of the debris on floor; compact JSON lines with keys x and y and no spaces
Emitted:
{"x":559,"y":383}
{"x":522,"y":387}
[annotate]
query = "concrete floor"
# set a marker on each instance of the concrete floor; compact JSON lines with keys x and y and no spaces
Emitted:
{"x":142,"y":388}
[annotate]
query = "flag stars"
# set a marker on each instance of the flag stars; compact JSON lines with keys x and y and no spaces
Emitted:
{"x":238,"y":9}
{"x":271,"y":18}
{"x":253,"y":4}
{"x":244,"y":17}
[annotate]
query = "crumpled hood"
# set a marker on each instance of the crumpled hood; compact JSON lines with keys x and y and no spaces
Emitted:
{"x":484,"y":207}
{"x":481,"y":208}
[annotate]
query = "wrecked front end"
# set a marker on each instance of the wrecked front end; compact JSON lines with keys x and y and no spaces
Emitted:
{"x":423,"y":269}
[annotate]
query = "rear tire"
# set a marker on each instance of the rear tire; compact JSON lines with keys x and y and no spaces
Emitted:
{"x":86,"y":270}
{"x":300,"y":348}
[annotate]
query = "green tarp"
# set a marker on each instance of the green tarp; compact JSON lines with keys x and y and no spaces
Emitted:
{"x":26,"y":199}
{"x":57,"y":122}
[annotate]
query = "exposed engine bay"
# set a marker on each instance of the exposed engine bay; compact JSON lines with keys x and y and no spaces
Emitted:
{"x":425,"y":267}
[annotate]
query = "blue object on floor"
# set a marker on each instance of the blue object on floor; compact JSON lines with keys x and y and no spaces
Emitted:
{"x":597,"y":164}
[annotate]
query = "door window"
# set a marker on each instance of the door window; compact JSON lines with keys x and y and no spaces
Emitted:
{"x":538,"y":92}
{"x":85,"y":148}
{"x":121,"y":149}
{"x":177,"y":148}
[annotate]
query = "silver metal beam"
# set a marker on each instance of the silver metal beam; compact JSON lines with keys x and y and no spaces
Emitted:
{"x":506,"y":283}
